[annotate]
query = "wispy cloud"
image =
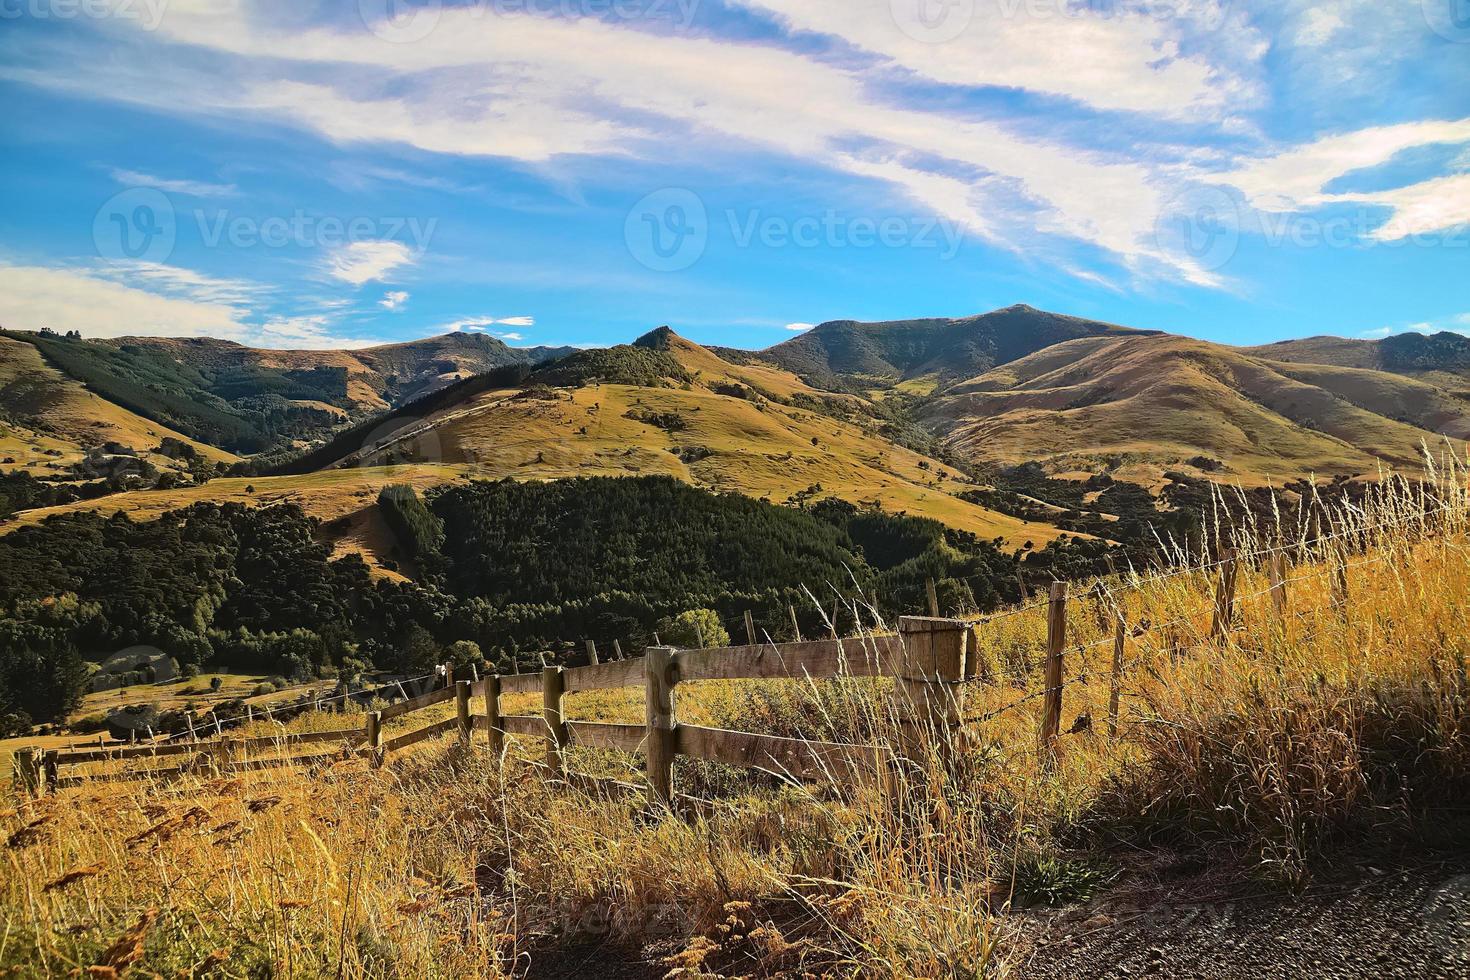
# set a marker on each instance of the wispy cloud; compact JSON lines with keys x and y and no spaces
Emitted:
{"x":189,"y":188}
{"x":363,"y":262}
{"x":510,"y":336}
{"x":32,"y":297}
{"x":393,"y":300}
{"x":482,"y":323}
{"x":800,"y":327}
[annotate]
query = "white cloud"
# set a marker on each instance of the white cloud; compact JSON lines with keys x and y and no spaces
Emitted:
{"x":32,"y":297}
{"x":362,"y":262}
{"x":532,"y":88}
{"x":190,"y":188}
{"x":393,"y":300}
{"x":1422,"y":209}
{"x":800,"y":327}
{"x":510,"y":336}
{"x":1319,"y":25}
{"x":1294,"y":179}
{"x":481,"y":323}
{"x":1108,"y":56}
{"x":305,"y":333}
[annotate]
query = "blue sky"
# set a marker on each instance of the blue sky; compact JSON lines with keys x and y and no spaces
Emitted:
{"x":292,"y":174}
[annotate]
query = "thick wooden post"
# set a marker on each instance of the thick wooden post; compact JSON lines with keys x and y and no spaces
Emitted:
{"x":462,"y":710}
{"x":928,"y":687}
{"x":496,"y":735}
{"x":375,"y":738}
{"x":1115,"y":687}
{"x":618,"y":650}
{"x":553,"y":694}
{"x":449,"y":675}
{"x":1276,"y":569}
{"x":658,"y":743}
{"x":48,"y":763}
{"x":1225,"y":595}
{"x":749,"y":628}
{"x":933,"y":595}
{"x":1051,"y":705}
{"x":28,"y":771}
{"x":592,"y":653}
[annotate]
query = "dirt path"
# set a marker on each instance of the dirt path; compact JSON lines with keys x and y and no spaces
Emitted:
{"x":1373,"y":921}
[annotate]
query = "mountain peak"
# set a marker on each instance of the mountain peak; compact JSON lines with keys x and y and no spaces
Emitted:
{"x":659,"y":338}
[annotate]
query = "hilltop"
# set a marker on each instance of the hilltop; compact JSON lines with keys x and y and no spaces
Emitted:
{"x":846,"y":353}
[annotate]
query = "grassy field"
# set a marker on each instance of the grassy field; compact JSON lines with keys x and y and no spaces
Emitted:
{"x":1337,"y":721}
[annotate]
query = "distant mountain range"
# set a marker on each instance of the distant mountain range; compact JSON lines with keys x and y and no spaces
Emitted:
{"x":918,"y":416}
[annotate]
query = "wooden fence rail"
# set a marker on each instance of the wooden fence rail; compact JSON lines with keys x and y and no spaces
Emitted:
{"x":929,"y":662}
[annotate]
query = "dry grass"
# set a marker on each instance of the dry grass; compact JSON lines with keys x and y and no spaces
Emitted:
{"x":1343,"y":719}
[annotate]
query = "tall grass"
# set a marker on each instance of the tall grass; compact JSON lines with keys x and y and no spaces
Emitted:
{"x":1341,"y":718}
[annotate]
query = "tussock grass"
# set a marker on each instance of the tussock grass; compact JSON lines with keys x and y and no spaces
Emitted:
{"x":1342,"y":718}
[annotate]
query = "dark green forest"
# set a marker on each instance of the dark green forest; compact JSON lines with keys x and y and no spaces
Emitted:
{"x":519,"y":570}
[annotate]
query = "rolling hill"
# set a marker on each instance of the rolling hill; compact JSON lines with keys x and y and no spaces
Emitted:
{"x":911,"y":416}
{"x":1138,"y":405}
{"x":851,"y":355}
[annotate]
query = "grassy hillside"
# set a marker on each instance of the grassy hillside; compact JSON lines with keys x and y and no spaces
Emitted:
{"x":1159,"y":402}
{"x":852,"y":355}
{"x":751,"y":429}
{"x":1442,"y":358}
{"x":1321,"y":742}
{"x":48,"y":421}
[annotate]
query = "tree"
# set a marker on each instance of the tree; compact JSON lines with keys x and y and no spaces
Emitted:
{"x":41,"y":674}
{"x":463,"y":653}
{"x":694,"y":628}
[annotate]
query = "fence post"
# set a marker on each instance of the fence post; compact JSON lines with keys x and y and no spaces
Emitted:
{"x":927,"y":689}
{"x":28,"y":771}
{"x":749,"y":628}
{"x":618,"y":650}
{"x":492,"y":712}
{"x":933,"y":596}
{"x":462,"y":710}
{"x":375,"y":738}
{"x":1225,"y":595}
{"x":794,"y":624}
{"x":1115,"y":692}
{"x":1276,"y":568}
{"x":553,"y":693}
{"x":1051,"y":705}
{"x":658,"y":742}
{"x":48,"y":762}
{"x":592,"y":653}
{"x":448,"y":675}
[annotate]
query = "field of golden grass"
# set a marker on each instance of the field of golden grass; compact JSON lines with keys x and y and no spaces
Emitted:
{"x":1342,"y":717}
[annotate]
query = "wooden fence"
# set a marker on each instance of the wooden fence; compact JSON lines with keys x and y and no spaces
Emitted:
{"x":929,"y":660}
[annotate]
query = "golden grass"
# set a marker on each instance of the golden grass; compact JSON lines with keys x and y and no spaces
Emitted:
{"x":1344,"y":718}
